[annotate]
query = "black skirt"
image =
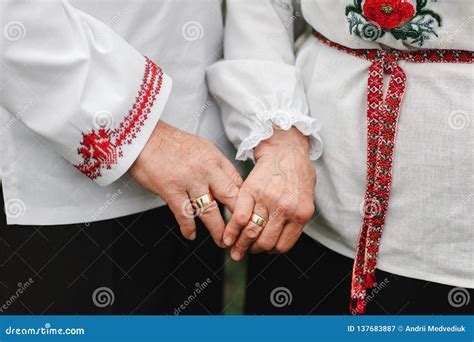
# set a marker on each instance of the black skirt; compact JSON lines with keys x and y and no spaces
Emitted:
{"x":138,"y":264}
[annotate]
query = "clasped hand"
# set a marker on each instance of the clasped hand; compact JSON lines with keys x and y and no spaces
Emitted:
{"x":181,"y":168}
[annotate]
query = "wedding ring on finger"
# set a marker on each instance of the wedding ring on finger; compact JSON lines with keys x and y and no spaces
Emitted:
{"x":258,"y":220}
{"x":202,"y":202}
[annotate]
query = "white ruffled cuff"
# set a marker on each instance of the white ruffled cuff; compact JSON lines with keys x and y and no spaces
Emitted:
{"x":285,"y":119}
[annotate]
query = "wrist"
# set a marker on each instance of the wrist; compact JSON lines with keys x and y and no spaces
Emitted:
{"x":283,"y":140}
{"x":152,"y":148}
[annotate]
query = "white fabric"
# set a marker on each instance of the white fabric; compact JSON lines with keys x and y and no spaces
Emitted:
{"x":429,"y":228}
{"x":63,"y":64}
{"x":285,"y":108}
{"x":258,"y":84}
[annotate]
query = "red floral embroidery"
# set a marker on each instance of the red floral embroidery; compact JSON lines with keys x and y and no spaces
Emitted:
{"x":388,"y":14}
{"x":101,"y":149}
{"x":372,"y":19}
{"x":382,"y":118}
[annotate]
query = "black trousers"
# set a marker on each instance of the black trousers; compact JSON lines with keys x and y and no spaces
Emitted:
{"x":138,"y":264}
{"x":311,"y":279}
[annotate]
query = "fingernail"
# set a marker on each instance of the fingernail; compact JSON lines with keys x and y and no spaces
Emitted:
{"x":236,"y":256}
{"x":192,"y":237}
{"x":228,"y":240}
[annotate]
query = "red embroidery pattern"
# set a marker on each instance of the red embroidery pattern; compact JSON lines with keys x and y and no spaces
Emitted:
{"x":371,"y":19}
{"x":101,"y":149}
{"x":382,"y":119}
{"x":388,"y":14}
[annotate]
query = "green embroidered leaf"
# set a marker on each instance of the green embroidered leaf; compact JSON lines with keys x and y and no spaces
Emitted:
{"x":435,"y":15}
{"x":404,"y":32}
{"x":354,"y":21}
{"x":350,"y":8}
{"x":418,"y":29}
{"x":357,"y":7}
{"x":420,"y":4}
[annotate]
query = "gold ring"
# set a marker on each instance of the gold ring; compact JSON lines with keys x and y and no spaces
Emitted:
{"x":203,"y":201}
{"x":258,"y":220}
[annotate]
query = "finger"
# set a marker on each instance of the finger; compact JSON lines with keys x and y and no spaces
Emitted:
{"x":183,"y":211}
{"x":231,"y":170}
{"x":289,"y":236}
{"x":269,"y":236}
{"x":248,"y":235}
{"x":224,"y":188}
{"x":240,"y":217}
{"x":210,"y":215}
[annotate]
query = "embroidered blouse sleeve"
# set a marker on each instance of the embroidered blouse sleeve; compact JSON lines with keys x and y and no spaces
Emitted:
{"x":78,"y":85}
{"x":258,"y":85}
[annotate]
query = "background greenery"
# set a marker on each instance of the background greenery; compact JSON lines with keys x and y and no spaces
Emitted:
{"x":234,"y":286}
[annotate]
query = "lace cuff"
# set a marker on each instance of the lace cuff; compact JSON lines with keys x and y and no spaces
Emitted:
{"x":285,"y":119}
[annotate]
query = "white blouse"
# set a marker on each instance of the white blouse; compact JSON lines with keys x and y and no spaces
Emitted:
{"x":429,"y":228}
{"x":79,"y":99}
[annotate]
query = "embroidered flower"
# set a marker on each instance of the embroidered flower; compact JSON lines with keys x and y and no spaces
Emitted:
{"x":388,"y":14}
{"x":100,"y":149}
{"x":371,"y":19}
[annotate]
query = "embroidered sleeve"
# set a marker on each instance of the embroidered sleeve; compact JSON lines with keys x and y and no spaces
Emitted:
{"x":103,"y":148}
{"x":92,"y":96}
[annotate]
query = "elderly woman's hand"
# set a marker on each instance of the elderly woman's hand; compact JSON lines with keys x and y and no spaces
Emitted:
{"x":280,"y":189}
{"x":182,"y":167}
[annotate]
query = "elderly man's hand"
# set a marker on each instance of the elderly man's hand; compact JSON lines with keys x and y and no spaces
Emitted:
{"x":280,"y":189}
{"x":180,"y":167}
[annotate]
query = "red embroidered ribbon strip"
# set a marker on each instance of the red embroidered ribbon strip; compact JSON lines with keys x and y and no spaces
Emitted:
{"x":382,"y":119}
{"x":101,"y":149}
